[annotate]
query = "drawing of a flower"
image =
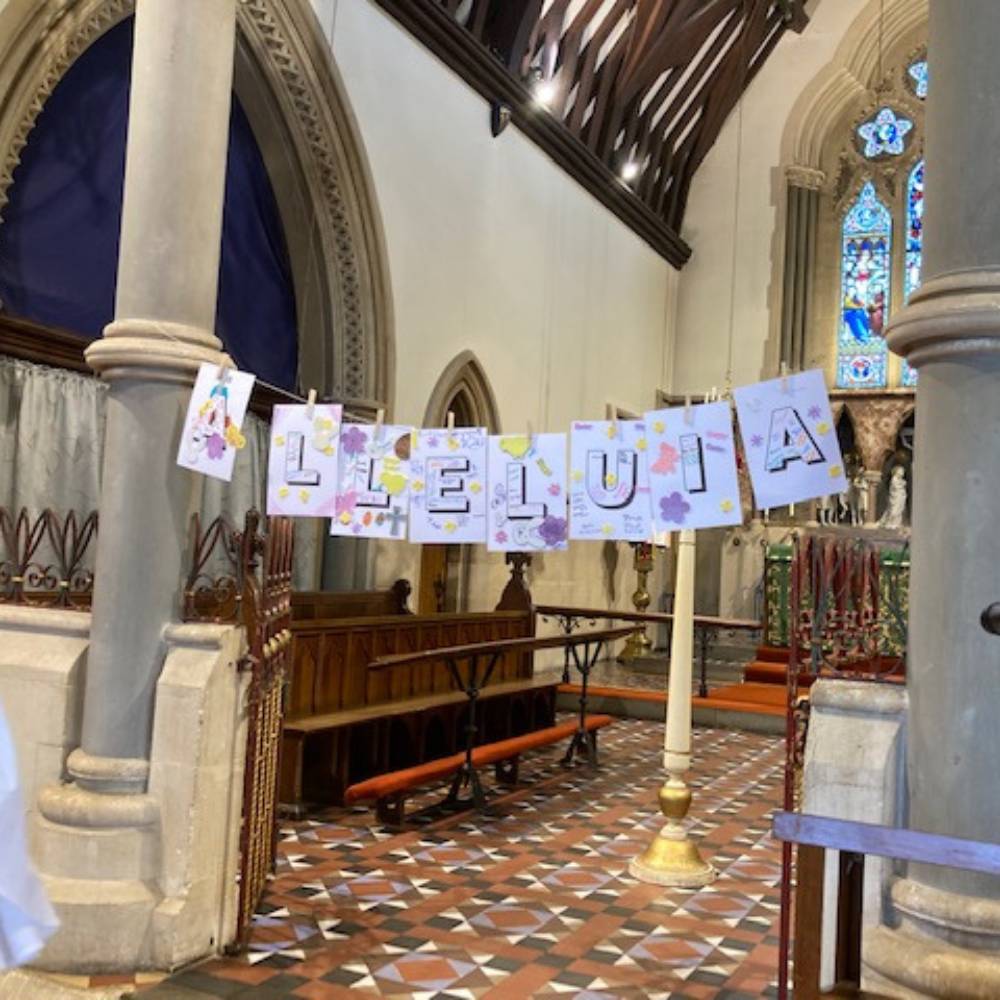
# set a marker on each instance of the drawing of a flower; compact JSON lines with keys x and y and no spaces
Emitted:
{"x":552,"y":531}
{"x":673,"y":508}
{"x":815,"y":412}
{"x":353,"y":441}
{"x":501,"y":537}
{"x":554,"y":489}
{"x":216,"y":446}
{"x":756,"y":441}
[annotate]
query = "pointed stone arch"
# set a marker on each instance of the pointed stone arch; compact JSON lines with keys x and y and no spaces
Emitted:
{"x":464,"y":389}
{"x":297,"y":105}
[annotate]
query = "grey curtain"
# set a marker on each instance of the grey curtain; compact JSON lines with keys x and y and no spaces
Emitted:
{"x":51,"y":439}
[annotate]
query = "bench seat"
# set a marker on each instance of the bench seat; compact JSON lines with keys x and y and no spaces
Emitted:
{"x":386,"y":710}
{"x":396,"y":783}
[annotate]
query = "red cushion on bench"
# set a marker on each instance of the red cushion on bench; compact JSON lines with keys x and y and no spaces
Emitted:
{"x":411,"y":777}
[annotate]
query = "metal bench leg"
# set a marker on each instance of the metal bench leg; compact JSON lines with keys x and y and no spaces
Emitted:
{"x":391,"y":811}
{"x":584,"y":744}
{"x":507,"y":771}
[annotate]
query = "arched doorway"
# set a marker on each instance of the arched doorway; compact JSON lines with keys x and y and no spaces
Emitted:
{"x":463,"y":391}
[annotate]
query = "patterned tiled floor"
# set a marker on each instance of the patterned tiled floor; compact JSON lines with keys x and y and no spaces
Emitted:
{"x":533,"y":899}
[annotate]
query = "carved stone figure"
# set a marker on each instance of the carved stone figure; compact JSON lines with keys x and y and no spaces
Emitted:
{"x":858,"y":499}
{"x":824,"y":510}
{"x":892,"y":516}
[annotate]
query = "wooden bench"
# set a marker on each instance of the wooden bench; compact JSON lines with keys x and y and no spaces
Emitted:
{"x":310,"y":605}
{"x":470,"y":668}
{"x":389,"y":791}
{"x":344,"y":723}
{"x":815,"y":835}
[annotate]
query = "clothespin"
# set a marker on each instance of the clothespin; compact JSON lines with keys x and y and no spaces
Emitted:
{"x":531,"y":433}
{"x":688,"y":416}
{"x":379,"y":419}
{"x":224,"y":370}
{"x":715,"y":393}
{"x":311,"y":404}
{"x":614,"y":428}
{"x":450,"y":423}
{"x":784,"y":376}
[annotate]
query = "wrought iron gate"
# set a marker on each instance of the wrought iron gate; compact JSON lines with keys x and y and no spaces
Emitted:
{"x":848,"y":601}
{"x":246,"y":576}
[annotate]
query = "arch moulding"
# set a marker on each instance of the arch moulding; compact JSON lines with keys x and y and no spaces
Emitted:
{"x":298,"y":108}
{"x":464,"y":375}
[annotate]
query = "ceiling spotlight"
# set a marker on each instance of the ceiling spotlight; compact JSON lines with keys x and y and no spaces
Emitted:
{"x":545,"y":92}
{"x":630,"y":170}
{"x":542,"y":90}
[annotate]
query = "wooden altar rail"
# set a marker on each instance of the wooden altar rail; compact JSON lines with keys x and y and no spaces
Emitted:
{"x":706,"y":627}
{"x":815,"y":835}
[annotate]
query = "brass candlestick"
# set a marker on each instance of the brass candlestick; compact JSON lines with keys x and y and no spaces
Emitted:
{"x":639,"y":643}
{"x":673,"y":858}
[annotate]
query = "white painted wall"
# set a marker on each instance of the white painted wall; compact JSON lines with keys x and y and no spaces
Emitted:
{"x":711,"y":286}
{"x":493,"y":248}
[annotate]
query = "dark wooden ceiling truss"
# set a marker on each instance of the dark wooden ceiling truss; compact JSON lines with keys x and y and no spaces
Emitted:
{"x":628,"y":96}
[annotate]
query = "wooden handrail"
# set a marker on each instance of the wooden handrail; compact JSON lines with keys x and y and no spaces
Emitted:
{"x":898,"y":843}
{"x":498,"y":647}
{"x":650,"y":617}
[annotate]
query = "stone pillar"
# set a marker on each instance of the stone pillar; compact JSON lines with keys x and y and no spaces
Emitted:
{"x":801,"y":222}
{"x":948,"y":941}
{"x":164,"y":317}
{"x":104,"y":827}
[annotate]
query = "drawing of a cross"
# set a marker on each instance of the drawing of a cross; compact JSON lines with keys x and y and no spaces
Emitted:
{"x":396,"y":519}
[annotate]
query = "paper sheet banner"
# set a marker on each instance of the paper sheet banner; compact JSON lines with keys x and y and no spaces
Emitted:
{"x":302,"y":460}
{"x":609,"y":481}
{"x":373,"y":499}
{"x":691,"y":457}
{"x":527,"y":499}
{"x":790,"y":440}
{"x":448,"y":486}
{"x":212,"y":432}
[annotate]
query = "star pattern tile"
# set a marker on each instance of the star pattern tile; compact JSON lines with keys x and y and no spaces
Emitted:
{"x":532,"y":899}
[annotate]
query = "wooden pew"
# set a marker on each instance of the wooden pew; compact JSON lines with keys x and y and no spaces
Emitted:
{"x":310,"y":605}
{"x":343,"y":725}
{"x":470,"y":668}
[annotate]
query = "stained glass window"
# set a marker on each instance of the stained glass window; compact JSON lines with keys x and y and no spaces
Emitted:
{"x":865,"y":268}
{"x":918,"y":78}
{"x":885,"y":134}
{"x":914,"y":229}
{"x":914,"y":245}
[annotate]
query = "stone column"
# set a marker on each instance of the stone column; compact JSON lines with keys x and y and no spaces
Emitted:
{"x":164,"y":317}
{"x":948,"y":942}
{"x":801,"y":222}
{"x":98,"y":840}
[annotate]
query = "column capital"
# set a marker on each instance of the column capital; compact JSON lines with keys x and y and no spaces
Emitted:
{"x":154,"y":349}
{"x":951,"y":316}
{"x":802,"y":176}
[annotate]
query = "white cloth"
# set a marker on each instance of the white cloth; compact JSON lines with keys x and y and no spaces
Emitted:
{"x":26,"y":917}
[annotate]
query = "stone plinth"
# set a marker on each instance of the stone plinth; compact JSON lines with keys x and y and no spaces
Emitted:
{"x":854,"y":770}
{"x":148,"y":881}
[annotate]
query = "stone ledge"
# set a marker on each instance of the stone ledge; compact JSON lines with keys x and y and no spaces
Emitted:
{"x":52,"y":621}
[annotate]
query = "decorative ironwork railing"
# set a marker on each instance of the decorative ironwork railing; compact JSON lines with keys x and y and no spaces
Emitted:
{"x":245,"y":576}
{"x":46,"y":559}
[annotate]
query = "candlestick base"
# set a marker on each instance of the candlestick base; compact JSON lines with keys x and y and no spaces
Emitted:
{"x":673,"y":858}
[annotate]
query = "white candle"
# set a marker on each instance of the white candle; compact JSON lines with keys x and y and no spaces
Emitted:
{"x":677,"y":736}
